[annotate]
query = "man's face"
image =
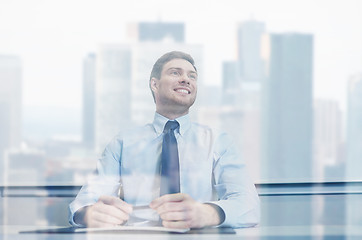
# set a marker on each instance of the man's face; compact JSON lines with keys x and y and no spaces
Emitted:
{"x":177,"y":87}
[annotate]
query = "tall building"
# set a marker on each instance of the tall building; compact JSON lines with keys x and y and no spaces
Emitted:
{"x":89,"y":78}
{"x":113,"y":91}
{"x":249,"y":51}
{"x":231,"y":83}
{"x":327,"y":138}
{"x":157,"y":31}
{"x":242,"y":90}
{"x":287,"y":109}
{"x":354,"y":146}
{"x":354,"y":129}
{"x":10,"y":105}
{"x":231,"y":75}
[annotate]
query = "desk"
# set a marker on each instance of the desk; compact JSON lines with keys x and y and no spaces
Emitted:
{"x":258,"y":233}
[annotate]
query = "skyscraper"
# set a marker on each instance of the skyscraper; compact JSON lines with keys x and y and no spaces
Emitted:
{"x":10,"y":100}
{"x":287,"y":109}
{"x":354,"y":128}
{"x":242,"y":90}
{"x":10,"y":105}
{"x":354,"y":146}
{"x":327,"y":137}
{"x":113,"y":91}
{"x":89,"y":78}
{"x":251,"y":65}
{"x":158,"y":31}
{"x":231,"y":83}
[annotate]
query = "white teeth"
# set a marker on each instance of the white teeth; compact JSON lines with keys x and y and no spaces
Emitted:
{"x":182,"y":91}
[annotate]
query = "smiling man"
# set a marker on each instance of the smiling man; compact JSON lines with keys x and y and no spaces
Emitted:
{"x":187,"y":174}
{"x":174,"y":87}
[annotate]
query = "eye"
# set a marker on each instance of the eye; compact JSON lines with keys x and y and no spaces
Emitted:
{"x":193,"y":76}
{"x":175,"y":73}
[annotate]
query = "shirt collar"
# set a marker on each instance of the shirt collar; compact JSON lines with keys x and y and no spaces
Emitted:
{"x":160,"y":121}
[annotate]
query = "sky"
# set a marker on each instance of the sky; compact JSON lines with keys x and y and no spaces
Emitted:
{"x":53,"y":36}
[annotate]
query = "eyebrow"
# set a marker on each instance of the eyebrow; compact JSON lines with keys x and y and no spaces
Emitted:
{"x":176,"y":68}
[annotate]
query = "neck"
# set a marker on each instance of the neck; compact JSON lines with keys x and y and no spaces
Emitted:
{"x":172,"y":115}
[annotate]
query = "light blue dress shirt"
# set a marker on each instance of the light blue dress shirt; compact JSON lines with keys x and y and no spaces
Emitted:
{"x":211,"y":171}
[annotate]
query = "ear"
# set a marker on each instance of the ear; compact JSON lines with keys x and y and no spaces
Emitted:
{"x":154,"y":84}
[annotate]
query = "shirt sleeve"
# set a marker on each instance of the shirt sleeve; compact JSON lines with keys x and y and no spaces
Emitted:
{"x":105,"y":181}
{"x":237,"y":194}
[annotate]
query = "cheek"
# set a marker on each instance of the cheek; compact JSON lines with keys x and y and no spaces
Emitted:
{"x":195,"y":89}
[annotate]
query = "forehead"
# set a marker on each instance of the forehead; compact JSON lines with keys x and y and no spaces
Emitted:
{"x":179,"y":63}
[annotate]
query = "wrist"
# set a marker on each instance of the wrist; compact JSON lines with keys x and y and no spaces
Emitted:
{"x":215,"y":214}
{"x":79,"y":216}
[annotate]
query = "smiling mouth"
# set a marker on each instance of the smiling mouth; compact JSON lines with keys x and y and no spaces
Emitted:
{"x":184,"y":91}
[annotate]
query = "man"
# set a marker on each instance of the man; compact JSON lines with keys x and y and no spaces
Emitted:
{"x":213,"y":186}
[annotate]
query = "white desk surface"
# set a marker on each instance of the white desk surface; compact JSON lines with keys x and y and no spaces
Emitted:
{"x":260,"y":233}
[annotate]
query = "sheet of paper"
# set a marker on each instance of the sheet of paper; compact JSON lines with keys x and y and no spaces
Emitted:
{"x":133,"y":228}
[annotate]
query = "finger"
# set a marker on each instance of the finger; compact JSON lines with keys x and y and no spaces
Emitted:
{"x":108,"y":214}
{"x":177,"y":197}
{"x":176,"y":216}
{"x":107,"y":219}
{"x":172,"y":207}
{"x":111,"y":210}
{"x":177,"y":224}
{"x":117,"y":202}
{"x":94,"y":223}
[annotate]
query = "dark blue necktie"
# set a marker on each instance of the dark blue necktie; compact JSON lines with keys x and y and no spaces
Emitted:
{"x":170,"y":173}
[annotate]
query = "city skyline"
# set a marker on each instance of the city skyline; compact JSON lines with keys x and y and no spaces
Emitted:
{"x":55,"y":46}
{"x":119,"y":71}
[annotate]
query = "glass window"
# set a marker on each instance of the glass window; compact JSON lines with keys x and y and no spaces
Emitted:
{"x":284,"y":78}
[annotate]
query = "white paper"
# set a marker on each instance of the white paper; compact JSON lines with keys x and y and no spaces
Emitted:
{"x":133,"y":228}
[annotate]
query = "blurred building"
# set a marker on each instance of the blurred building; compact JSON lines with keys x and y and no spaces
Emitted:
{"x":10,"y":106}
{"x":354,"y":146}
{"x":327,"y":140}
{"x":354,"y":129}
{"x":158,"y":31}
{"x":242,"y":81}
{"x":113,"y":91}
{"x":23,"y":167}
{"x":240,"y":114}
{"x":251,"y":64}
{"x":287,"y":119}
{"x":231,"y":83}
{"x":89,"y":78}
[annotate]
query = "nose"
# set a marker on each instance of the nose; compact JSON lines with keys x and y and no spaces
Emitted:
{"x":185,"y":79}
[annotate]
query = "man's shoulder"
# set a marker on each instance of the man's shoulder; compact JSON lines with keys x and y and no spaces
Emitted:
{"x":196,"y":126}
{"x":135,"y":132}
{"x":216,"y":133}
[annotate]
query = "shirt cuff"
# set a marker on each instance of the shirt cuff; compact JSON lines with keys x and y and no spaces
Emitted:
{"x":249,"y":218}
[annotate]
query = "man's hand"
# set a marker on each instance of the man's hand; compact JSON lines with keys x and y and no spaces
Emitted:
{"x":109,"y":211}
{"x":181,"y":211}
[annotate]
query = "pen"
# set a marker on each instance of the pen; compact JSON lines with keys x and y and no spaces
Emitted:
{"x":141,"y":207}
{"x":121,"y":196}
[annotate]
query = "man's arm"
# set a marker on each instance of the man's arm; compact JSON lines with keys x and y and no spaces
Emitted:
{"x":237,"y":194}
{"x":108,"y":211}
{"x":104,"y":182}
{"x":181,"y":211}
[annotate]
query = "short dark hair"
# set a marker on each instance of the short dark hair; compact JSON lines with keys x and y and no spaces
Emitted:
{"x":158,"y":66}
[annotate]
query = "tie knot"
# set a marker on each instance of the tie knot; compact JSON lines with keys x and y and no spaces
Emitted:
{"x":171,"y":125}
